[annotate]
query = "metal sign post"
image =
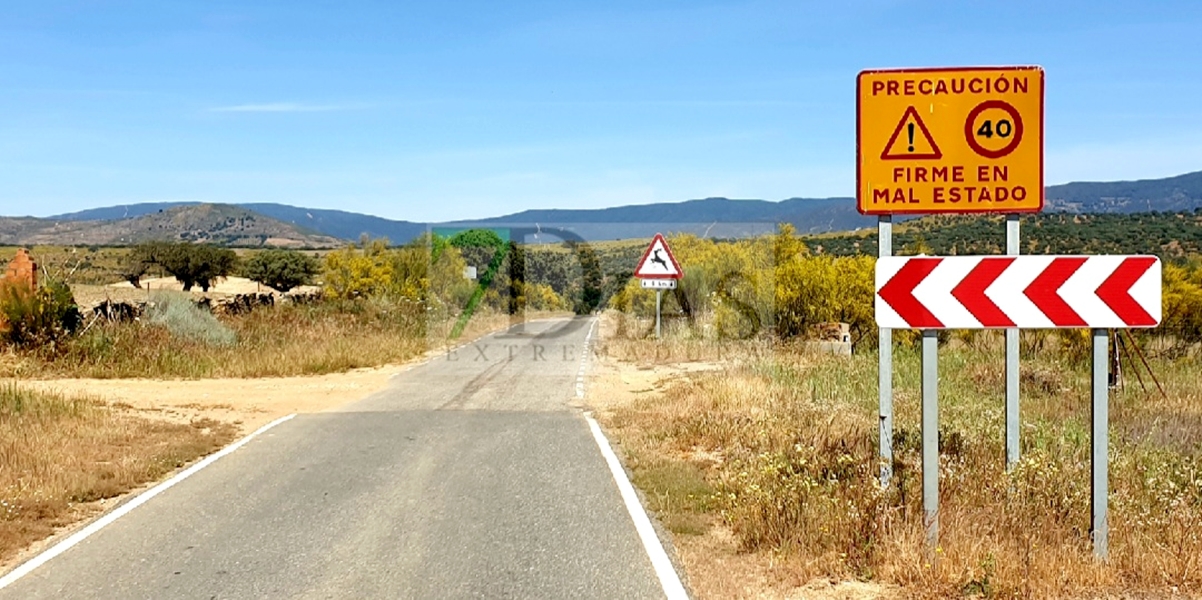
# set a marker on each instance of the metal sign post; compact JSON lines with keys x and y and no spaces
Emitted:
{"x":659,"y":295}
{"x":885,"y":369}
{"x":930,"y":434}
{"x":1012,"y":367}
{"x":659,"y":285}
{"x":1099,"y":528}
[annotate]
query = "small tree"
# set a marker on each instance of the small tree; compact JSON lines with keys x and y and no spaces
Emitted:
{"x":133,"y":270}
{"x":191,"y":264}
{"x":282,"y":269}
{"x":478,"y":246}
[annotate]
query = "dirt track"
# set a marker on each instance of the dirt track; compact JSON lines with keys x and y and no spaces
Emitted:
{"x":249,"y":403}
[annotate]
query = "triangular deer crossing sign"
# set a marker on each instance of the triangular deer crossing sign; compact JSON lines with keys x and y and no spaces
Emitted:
{"x":658,"y":262}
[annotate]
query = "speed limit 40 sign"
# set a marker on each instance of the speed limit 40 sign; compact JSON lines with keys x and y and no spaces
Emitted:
{"x":950,"y":140}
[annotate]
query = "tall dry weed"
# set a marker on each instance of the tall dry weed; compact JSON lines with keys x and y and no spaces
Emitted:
{"x":60,"y":453}
{"x":798,"y":475}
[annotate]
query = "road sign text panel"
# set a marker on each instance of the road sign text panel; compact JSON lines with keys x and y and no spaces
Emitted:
{"x":950,"y":140}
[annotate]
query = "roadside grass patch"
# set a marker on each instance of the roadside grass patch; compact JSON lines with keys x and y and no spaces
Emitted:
{"x":60,"y":454}
{"x":787,"y":444}
{"x":677,"y":489}
{"x":179,"y":341}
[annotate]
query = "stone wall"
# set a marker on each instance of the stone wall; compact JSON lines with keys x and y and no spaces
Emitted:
{"x":830,"y":338}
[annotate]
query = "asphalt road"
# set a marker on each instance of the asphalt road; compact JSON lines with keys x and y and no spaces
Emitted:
{"x":472,"y":476}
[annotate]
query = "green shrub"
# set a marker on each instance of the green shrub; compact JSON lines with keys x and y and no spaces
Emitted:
{"x":183,"y":318}
{"x":282,"y":269}
{"x":37,"y":317}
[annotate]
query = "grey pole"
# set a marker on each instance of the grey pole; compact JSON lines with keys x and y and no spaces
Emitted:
{"x":659,"y":294}
{"x":885,"y":368}
{"x":930,"y":434}
{"x":1012,"y":373}
{"x":1099,"y":456}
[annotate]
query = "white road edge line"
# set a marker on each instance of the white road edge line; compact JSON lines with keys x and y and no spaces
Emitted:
{"x":668,"y":578}
{"x":139,"y":500}
{"x":584,"y":360}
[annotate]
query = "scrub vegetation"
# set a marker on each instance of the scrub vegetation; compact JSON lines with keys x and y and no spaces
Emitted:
{"x":780,"y":448}
{"x":378,"y":305}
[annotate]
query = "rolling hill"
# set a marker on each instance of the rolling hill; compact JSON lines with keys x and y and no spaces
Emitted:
{"x":221,"y":224}
{"x":1180,"y":193}
{"x":718,"y":217}
{"x":1168,"y":234}
{"x":335,"y":223}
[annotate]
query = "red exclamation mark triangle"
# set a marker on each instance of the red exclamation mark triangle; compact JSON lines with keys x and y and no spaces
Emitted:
{"x":906,"y":149}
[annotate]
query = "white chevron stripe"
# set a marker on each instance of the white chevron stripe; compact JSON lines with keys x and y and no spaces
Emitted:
{"x":887,"y":317}
{"x":1007,"y":291}
{"x":886,"y":268}
{"x":1080,"y":291}
{"x":1147,"y":291}
{"x":935,"y":292}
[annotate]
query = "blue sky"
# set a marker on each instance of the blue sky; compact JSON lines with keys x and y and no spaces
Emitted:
{"x":443,"y":110}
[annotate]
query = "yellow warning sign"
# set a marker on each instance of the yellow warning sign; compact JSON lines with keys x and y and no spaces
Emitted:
{"x":950,"y":140}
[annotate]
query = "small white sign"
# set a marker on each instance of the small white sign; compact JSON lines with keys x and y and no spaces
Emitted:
{"x":659,"y":284}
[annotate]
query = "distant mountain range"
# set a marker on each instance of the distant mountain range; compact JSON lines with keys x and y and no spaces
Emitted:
{"x":222,"y":224}
{"x":334,"y":223}
{"x":1180,"y":193}
{"x":260,"y":224}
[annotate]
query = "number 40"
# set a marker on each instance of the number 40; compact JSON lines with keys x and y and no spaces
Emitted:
{"x":1003,"y":129}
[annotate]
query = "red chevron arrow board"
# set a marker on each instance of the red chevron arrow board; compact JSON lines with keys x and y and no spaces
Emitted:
{"x":1036,"y":292}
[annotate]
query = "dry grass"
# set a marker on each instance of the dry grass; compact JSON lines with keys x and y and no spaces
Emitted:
{"x":780,"y":448}
{"x":58,"y":455}
{"x":287,"y":340}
